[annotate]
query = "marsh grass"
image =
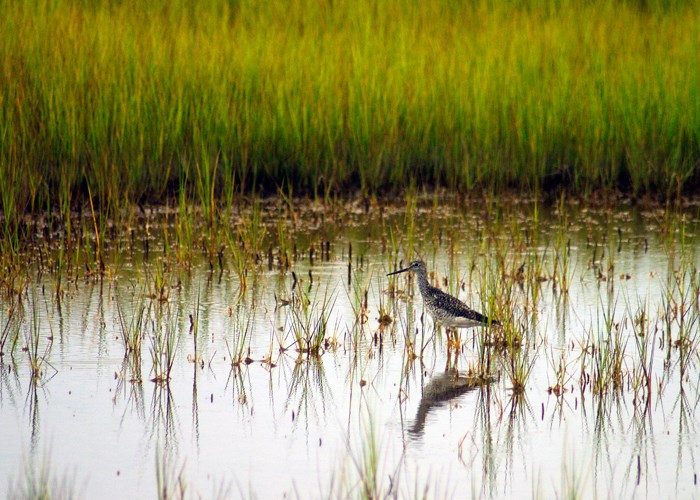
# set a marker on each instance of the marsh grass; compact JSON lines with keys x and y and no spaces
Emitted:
{"x":518,"y":362}
{"x":643,"y":359}
{"x":37,"y":357}
{"x":309,"y":320}
{"x":368,"y":466}
{"x":132,"y":327}
{"x":562,"y":273}
{"x":184,"y":233}
{"x":137,"y":101}
{"x":680,"y":312}
{"x":573,"y":478}
{"x":237,"y":377}
{"x":608,"y":344}
{"x":11,"y":327}
{"x":239,"y":346}
{"x":164,"y":339}
{"x":243,"y":235}
{"x":132,"y":330}
{"x":357,"y":297}
{"x":562,"y":376}
{"x":158,"y":281}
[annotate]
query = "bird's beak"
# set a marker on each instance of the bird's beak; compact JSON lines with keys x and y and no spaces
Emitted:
{"x":399,"y":271}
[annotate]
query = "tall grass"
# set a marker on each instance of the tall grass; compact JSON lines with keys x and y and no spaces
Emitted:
{"x":136,"y":99}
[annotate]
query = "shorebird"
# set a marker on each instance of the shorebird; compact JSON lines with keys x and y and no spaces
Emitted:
{"x":444,"y":308}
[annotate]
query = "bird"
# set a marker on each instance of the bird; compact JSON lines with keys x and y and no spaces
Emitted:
{"x":443,"y":307}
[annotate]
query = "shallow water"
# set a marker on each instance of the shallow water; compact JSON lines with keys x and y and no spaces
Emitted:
{"x":364,"y":417}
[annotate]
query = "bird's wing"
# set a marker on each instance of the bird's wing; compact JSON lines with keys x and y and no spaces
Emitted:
{"x":458,"y":307}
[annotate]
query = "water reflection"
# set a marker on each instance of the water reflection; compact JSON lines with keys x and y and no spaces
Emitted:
{"x":439,"y":390}
{"x":308,"y":392}
{"x":10,"y":383}
{"x":164,"y":420}
{"x":195,"y":403}
{"x":31,"y":405}
{"x":237,"y":376}
{"x":130,"y":388}
{"x":485,"y":434}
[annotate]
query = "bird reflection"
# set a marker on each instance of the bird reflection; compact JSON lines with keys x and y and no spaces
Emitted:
{"x":440,"y":389}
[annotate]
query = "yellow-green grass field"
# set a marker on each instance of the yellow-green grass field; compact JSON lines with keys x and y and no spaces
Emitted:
{"x":136,"y":100}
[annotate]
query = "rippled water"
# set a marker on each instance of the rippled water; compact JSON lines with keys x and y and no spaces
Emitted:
{"x":364,"y":417}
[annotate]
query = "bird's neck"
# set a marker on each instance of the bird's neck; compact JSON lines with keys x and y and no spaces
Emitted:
{"x":423,"y":283}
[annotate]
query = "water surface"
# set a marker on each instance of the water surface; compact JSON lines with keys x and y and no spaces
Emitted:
{"x":363,"y":415}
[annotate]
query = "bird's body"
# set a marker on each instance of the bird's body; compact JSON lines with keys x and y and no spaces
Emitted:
{"x":444,"y":308}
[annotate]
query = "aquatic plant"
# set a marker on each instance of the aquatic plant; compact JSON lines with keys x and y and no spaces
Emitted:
{"x":132,"y":328}
{"x":38,"y":359}
{"x":157,"y":280}
{"x":608,"y":350}
{"x":643,"y":363}
{"x":239,"y":346}
{"x":562,"y":377}
{"x":518,"y":363}
{"x":163,"y":343}
{"x":10,"y":328}
{"x":309,"y":320}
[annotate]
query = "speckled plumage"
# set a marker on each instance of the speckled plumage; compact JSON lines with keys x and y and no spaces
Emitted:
{"x":444,"y":308}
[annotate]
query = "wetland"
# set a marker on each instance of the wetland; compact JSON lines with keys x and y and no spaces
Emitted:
{"x":260,"y":350}
{"x":200,"y":204}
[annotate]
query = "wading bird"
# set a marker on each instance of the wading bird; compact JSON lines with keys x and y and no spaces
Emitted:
{"x":444,"y":308}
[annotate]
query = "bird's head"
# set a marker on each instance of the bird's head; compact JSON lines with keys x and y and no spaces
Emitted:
{"x":417,"y":266}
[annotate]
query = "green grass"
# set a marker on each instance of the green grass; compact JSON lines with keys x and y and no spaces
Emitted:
{"x":135,"y":100}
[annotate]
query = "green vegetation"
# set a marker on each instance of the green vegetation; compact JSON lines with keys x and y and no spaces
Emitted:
{"x":136,"y":101}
